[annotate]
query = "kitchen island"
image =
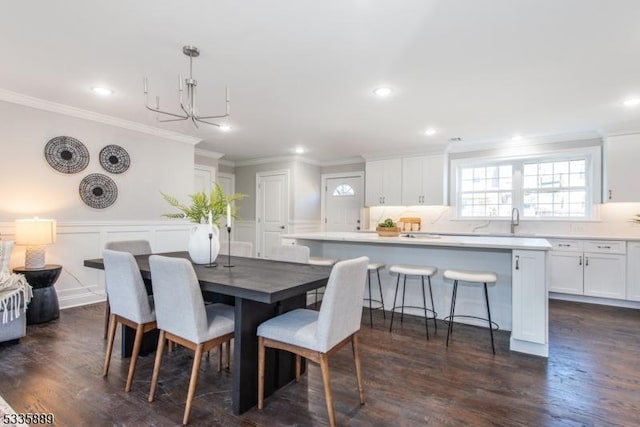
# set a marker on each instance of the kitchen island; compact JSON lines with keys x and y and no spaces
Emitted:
{"x":518,"y":299}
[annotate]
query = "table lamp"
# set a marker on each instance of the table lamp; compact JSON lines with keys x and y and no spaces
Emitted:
{"x":35,"y":233}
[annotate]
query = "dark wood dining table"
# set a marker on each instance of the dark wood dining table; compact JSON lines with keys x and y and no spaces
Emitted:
{"x":259,"y":289}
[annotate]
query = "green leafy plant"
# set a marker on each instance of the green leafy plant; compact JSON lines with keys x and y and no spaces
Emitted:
{"x":388,"y":223}
{"x":202,"y":203}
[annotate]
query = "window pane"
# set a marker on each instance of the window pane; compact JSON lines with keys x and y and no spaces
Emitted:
{"x":531,"y":169}
{"x":576,"y":166}
{"x":343,"y":190}
{"x":467,"y":185}
{"x":560,"y":167}
{"x":545,"y":168}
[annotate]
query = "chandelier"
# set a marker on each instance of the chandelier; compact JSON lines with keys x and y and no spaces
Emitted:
{"x":189,"y":109}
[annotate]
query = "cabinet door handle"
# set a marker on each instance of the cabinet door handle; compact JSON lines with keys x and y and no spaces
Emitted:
{"x":384,"y":199}
{"x":517,"y":262}
{"x":564,"y":245}
{"x":580,"y":262}
{"x":610,"y":194}
{"x":604,"y":247}
{"x":586,"y":260}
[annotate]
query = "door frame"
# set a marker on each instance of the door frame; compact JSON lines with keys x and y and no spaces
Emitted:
{"x":323,"y":193}
{"x":259,"y":202}
{"x":211,"y":169}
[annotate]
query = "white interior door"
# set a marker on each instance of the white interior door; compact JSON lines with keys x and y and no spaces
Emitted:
{"x":272,"y":210}
{"x":343,"y":200}
{"x":203,"y":178}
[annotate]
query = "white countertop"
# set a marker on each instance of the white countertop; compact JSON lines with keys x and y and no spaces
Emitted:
{"x":528,"y":235}
{"x":487,"y":242}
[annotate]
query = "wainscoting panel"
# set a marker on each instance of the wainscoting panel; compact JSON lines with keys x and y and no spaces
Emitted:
{"x":75,"y":242}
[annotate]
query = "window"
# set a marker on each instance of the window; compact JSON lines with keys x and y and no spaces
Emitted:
{"x":555,"y":186}
{"x":555,"y":189}
{"x":486,"y":191}
{"x":343,"y":190}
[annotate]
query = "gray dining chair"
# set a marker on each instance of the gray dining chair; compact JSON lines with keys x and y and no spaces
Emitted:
{"x":130,"y":304}
{"x":134,"y":247}
{"x":244,"y":249}
{"x":316,"y":335}
{"x":185,"y":320}
{"x":290,"y":253}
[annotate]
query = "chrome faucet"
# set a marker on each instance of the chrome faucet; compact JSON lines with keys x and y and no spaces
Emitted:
{"x":515,"y":219}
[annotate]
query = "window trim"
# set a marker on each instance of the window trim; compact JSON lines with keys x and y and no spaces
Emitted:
{"x":593,"y":167}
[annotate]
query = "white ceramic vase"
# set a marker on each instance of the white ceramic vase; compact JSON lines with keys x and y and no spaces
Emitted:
{"x":203,"y":250}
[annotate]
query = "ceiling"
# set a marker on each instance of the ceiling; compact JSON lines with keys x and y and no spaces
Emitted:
{"x":301,"y":73}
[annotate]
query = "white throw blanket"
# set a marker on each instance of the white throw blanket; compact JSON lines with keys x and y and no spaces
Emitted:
{"x":14,"y":291}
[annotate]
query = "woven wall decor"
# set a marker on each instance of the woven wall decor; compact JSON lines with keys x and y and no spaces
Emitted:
{"x":66,"y":154}
{"x":114,"y":159}
{"x":98,"y":191}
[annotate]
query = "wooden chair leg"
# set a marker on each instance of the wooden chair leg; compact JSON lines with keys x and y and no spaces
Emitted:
{"x":137,"y":344}
{"x":228,"y":355}
{"x":110,"y":338}
{"x":220,"y":358}
{"x":298,"y":367}
{"x":192,"y":383}
{"x":260,"y":372}
{"x":326,"y":379}
{"x":107,"y":316}
{"x":156,"y":366}
{"x":356,"y":358}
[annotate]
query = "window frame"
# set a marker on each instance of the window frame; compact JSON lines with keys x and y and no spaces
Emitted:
{"x":593,"y":181}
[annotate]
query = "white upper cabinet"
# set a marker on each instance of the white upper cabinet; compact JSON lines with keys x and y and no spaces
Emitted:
{"x":622,"y":156}
{"x":383,"y":182}
{"x":423,"y":180}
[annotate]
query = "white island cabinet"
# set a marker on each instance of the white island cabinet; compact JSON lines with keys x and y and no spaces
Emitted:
{"x":518,"y":299}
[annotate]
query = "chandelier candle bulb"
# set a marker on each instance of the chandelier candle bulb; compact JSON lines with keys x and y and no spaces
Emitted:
{"x":228,"y":214}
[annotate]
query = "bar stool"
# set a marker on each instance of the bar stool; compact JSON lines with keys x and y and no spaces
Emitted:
{"x":414,"y":270}
{"x":474,"y":277}
{"x":314,"y":260}
{"x":375,"y":266}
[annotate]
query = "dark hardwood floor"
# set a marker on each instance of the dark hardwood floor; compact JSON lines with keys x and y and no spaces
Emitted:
{"x":592,"y":378}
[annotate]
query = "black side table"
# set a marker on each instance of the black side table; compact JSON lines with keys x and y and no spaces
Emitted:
{"x":43,"y":307}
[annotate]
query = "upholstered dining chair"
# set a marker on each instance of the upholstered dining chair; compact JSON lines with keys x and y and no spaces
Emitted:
{"x":185,"y":320}
{"x":290,"y":253}
{"x":238,"y":248}
{"x":134,"y":247}
{"x":130,"y":304}
{"x":316,"y":335}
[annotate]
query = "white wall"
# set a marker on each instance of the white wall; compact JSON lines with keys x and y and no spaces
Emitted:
{"x":30,"y":187}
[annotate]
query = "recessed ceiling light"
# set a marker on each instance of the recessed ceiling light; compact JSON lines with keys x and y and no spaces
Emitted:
{"x":382,"y":91}
{"x":430,"y":132}
{"x":299,"y":150}
{"x":225,"y":127}
{"x":102,"y":91}
{"x":631,"y":102}
{"x":516,"y":138}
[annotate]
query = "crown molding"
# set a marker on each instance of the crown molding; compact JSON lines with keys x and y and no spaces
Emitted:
{"x":266,"y":160}
{"x":208,"y":153}
{"x":54,"y":107}
{"x":347,"y":161}
{"x":226,"y":162}
{"x":461,"y":147}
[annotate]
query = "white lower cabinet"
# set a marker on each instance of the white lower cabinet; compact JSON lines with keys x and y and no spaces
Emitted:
{"x":593,"y":268}
{"x":633,"y":271}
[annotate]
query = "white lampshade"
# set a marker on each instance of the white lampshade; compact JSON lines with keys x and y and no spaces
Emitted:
{"x":35,"y":234}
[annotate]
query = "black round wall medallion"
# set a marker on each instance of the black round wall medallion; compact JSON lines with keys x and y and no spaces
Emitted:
{"x":114,"y":159}
{"x":66,"y":154}
{"x":98,"y":191}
